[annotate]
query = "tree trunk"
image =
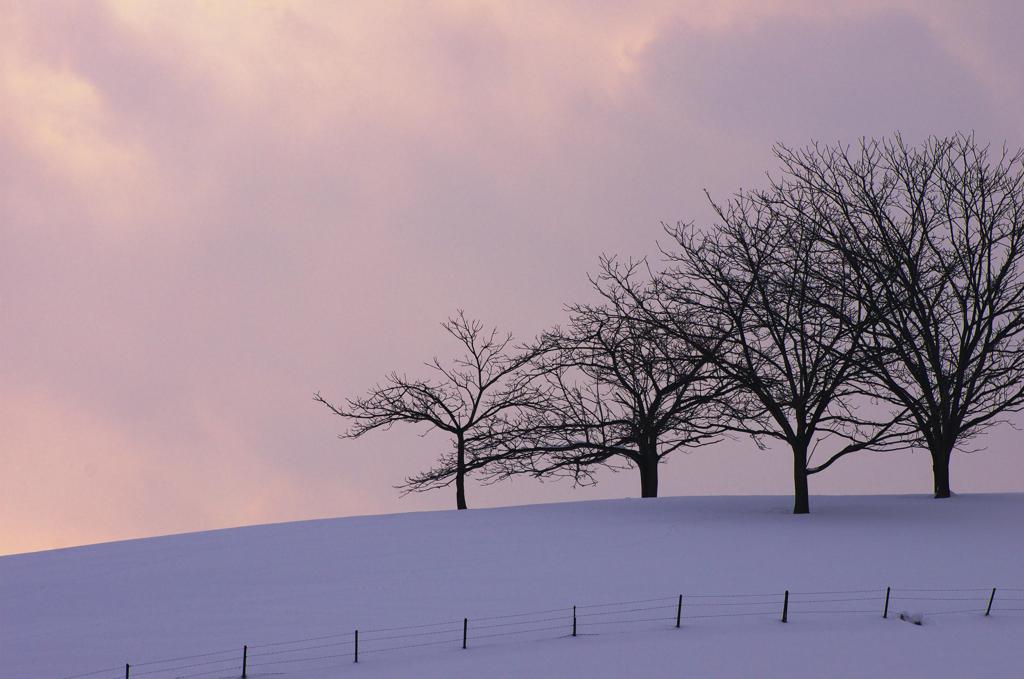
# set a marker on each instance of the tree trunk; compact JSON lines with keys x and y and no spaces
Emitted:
{"x":801,"y":501}
{"x":460,"y":476}
{"x":648,"y":465}
{"x":940,"y":471}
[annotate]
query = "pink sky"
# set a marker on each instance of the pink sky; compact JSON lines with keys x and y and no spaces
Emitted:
{"x":210,"y":211}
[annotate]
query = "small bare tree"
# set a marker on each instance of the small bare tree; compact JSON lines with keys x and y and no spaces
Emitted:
{"x":469,"y":398}
{"x":749,"y":295}
{"x":932,"y":238}
{"x":620,"y":391}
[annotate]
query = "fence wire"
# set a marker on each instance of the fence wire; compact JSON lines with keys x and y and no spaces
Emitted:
{"x":579,"y":620}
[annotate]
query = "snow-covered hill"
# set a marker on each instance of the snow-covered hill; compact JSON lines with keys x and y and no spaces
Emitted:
{"x":72,"y":611}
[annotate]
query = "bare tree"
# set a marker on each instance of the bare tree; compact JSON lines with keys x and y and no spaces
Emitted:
{"x":620,"y":391}
{"x":469,"y":398}
{"x":749,"y":295}
{"x":932,"y":238}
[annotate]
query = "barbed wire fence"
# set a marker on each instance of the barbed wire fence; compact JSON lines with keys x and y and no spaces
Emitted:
{"x":350,"y":647}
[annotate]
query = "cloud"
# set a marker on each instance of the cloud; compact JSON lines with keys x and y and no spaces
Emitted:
{"x":58,"y":129}
{"x":211,"y":211}
{"x":794,"y":79}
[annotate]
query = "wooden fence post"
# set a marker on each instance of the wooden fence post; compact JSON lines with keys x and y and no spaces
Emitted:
{"x":465,"y":629}
{"x":245,"y":658}
{"x":785,"y":608}
{"x":885,"y":611}
{"x":990,"y":599}
{"x":357,"y":647}
{"x":679,"y":611}
{"x":127,"y":670}
{"x":574,"y":621}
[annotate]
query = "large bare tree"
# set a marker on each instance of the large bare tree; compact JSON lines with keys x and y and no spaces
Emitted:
{"x":469,"y":398}
{"x":748,"y":293}
{"x":620,"y":391}
{"x":932,"y":238}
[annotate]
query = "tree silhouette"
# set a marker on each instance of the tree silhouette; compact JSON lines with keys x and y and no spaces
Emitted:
{"x":619,"y":391}
{"x":749,"y":295}
{"x":932,"y":240}
{"x":469,"y":398}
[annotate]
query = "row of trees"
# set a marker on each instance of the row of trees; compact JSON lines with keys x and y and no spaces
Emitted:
{"x":868,"y":298}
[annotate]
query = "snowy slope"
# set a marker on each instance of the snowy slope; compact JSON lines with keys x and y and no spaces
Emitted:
{"x":72,"y":611}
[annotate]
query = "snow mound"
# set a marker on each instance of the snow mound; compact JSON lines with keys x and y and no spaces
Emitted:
{"x":295,"y":594}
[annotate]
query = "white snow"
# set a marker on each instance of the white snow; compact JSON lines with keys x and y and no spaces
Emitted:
{"x":69,"y":612}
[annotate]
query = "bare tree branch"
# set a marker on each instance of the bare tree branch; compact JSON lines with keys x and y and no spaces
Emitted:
{"x":620,"y":392}
{"x":932,"y":237}
{"x":471,"y":398}
{"x":755,"y":295}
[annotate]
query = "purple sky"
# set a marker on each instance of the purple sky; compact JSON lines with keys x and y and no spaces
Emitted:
{"x":210,"y":211}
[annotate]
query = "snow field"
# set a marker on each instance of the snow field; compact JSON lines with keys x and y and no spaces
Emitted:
{"x":299,"y":590}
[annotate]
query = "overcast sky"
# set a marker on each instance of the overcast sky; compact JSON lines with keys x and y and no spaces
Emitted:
{"x":210,"y":211}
